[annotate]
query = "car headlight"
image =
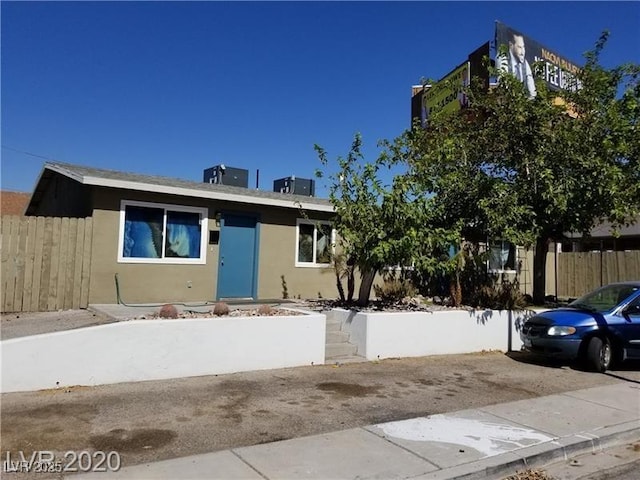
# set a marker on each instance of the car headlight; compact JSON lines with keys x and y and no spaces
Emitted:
{"x":561,"y":331}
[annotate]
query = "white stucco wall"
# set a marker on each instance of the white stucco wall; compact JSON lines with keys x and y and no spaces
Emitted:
{"x":413,"y":334}
{"x":158,"y":349}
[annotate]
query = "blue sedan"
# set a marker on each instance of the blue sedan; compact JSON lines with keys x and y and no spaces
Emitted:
{"x":599,"y":328}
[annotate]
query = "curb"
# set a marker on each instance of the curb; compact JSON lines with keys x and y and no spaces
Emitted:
{"x":540,"y":455}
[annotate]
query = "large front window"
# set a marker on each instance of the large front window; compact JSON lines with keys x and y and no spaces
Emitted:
{"x":159,"y":233}
{"x":314,"y":243}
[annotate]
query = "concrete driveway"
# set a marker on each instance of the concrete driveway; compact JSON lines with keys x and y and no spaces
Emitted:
{"x":16,"y":325}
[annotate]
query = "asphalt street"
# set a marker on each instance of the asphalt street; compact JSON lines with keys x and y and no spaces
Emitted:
{"x":151,"y":421}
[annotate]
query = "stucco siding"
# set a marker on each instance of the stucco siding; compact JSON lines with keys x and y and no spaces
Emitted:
{"x":277,"y":259}
{"x":162,"y":283}
{"x":143,"y":283}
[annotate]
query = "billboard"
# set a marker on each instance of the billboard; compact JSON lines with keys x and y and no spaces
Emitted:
{"x":525,"y":58}
{"x":479,"y":62}
{"x":417,"y":103}
{"x":446,"y":95}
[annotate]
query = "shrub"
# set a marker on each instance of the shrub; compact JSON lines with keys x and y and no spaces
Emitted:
{"x":265,"y":310}
{"x":393,"y":290}
{"x":168,"y":311}
{"x":221,"y":309}
{"x":502,"y":297}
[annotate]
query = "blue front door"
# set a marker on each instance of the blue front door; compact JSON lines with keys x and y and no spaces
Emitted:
{"x":237,"y":264}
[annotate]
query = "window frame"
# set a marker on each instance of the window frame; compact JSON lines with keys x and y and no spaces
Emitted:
{"x":203,"y":212}
{"x":490,"y":243}
{"x":314,"y":223}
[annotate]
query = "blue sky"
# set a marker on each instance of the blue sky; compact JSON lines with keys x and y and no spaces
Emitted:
{"x":172,"y":88}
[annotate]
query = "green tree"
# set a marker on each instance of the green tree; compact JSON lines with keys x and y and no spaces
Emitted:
{"x":382,"y":225}
{"x":530,"y":170}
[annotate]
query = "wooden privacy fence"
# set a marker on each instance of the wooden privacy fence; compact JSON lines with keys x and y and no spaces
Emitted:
{"x":45,"y":263}
{"x":580,"y":272}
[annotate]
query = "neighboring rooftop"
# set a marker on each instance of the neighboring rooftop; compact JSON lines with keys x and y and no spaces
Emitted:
{"x":174,"y":186}
{"x":13,"y":203}
{"x":605,"y":229}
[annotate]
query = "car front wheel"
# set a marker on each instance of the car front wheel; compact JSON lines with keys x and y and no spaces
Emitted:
{"x":599,"y":354}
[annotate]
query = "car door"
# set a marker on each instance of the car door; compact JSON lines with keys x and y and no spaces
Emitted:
{"x":630,"y":328}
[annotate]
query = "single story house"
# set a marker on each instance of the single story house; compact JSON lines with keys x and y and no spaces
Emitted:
{"x":170,"y":240}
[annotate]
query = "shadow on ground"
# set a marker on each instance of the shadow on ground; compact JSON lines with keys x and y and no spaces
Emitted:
{"x":617,"y":371}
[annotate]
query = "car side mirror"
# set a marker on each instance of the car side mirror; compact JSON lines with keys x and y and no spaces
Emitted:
{"x":631,"y":310}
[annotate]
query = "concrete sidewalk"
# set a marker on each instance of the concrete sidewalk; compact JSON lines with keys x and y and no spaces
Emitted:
{"x":489,"y":442}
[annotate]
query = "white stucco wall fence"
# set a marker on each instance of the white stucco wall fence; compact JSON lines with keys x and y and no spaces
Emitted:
{"x":412,"y":334}
{"x":159,"y":349}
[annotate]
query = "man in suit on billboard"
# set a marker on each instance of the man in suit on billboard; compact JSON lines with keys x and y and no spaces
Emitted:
{"x":516,"y":63}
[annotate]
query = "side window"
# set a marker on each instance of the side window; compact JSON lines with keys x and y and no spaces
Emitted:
{"x":305,"y":243}
{"x":314,"y":243}
{"x":323,"y":244}
{"x":634,"y":308}
{"x":502,"y":256}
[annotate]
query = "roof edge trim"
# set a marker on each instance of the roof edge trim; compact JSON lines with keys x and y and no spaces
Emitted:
{"x":187,"y":192}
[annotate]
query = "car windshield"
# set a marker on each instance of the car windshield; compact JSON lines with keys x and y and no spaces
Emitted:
{"x":605,"y":298}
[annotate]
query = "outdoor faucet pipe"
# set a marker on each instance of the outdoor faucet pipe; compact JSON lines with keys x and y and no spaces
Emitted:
{"x":121,"y":302}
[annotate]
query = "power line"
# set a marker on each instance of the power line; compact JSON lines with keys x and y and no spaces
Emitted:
{"x":6,"y":147}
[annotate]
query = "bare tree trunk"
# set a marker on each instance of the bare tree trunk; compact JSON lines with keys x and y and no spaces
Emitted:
{"x":540,"y":269}
{"x":351,"y":278}
{"x":351,"y":284}
{"x":455,"y":290}
{"x":339,"y":287}
{"x":365,"y":287}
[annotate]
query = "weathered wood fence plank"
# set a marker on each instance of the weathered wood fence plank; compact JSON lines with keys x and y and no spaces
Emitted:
{"x":28,"y":265}
{"x":37,"y":264}
{"x":20,"y":265}
{"x":86,"y":261}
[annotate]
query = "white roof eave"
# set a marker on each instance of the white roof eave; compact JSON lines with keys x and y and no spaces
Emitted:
{"x":214,"y":195}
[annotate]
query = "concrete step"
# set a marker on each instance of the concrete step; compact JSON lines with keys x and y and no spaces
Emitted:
{"x":339,"y":350}
{"x":337,"y":337}
{"x":344,"y":359}
{"x":331,"y":315}
{"x":334,"y":325}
